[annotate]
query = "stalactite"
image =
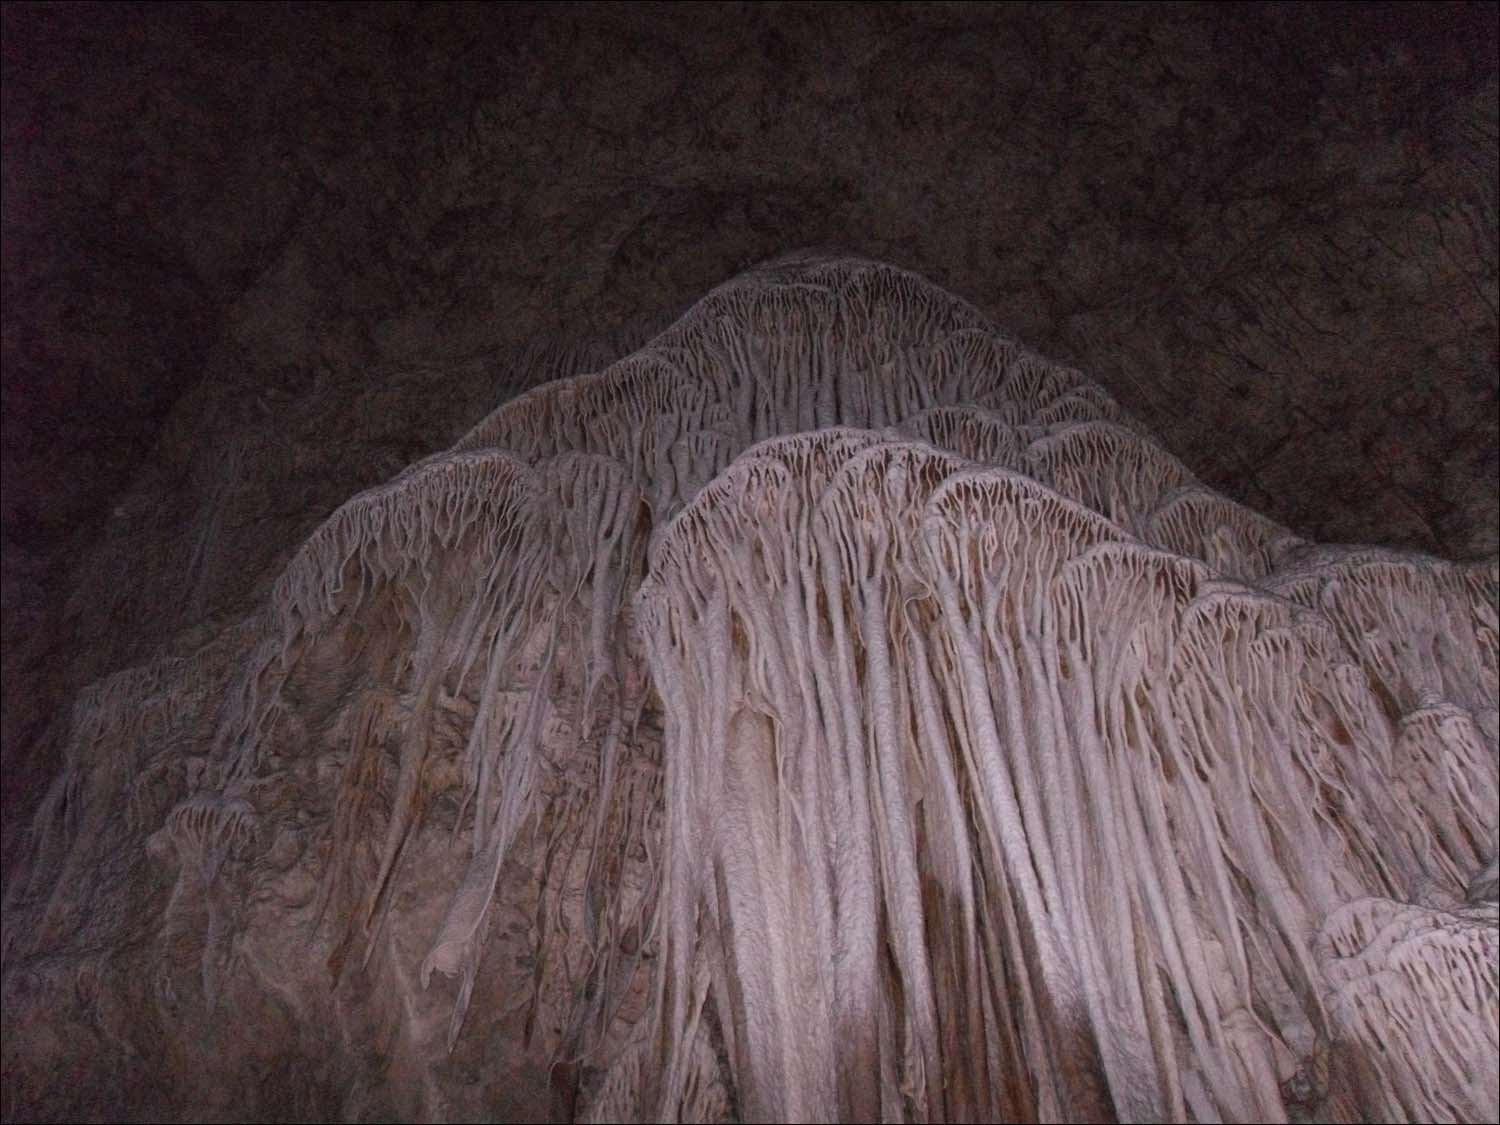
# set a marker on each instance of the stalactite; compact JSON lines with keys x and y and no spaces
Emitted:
{"x":979,"y":435}
{"x":830,"y":710}
{"x":1232,"y":540}
{"x":1107,"y":468}
{"x":1415,"y":988}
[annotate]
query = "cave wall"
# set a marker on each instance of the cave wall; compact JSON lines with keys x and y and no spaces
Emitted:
{"x":831,"y":709}
{"x":255,"y":261}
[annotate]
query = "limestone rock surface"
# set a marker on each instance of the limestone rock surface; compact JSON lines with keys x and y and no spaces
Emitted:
{"x":831,"y":709}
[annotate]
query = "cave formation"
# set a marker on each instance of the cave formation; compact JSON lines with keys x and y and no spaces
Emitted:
{"x":782,"y":691}
{"x":829,"y":710}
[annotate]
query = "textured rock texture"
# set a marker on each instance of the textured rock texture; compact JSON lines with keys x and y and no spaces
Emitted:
{"x":256,"y":262}
{"x":830,"y":710}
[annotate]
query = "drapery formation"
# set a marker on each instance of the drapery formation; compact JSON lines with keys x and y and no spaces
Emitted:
{"x":831,"y":710}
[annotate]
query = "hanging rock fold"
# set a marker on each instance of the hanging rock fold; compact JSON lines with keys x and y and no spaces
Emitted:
{"x":829,"y":711}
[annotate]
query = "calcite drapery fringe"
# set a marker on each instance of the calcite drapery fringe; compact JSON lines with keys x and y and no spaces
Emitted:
{"x":831,"y":710}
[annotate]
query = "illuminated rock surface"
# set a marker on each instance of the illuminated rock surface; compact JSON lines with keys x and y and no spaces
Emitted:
{"x":830,"y":710}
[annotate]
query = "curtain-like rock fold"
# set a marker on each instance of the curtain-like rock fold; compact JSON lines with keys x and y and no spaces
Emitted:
{"x":829,"y":711}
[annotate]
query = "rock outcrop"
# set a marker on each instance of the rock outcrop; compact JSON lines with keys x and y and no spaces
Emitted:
{"x":831,"y":709}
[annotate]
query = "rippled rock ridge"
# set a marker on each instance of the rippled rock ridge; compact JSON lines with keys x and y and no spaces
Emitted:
{"x":831,"y":709}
